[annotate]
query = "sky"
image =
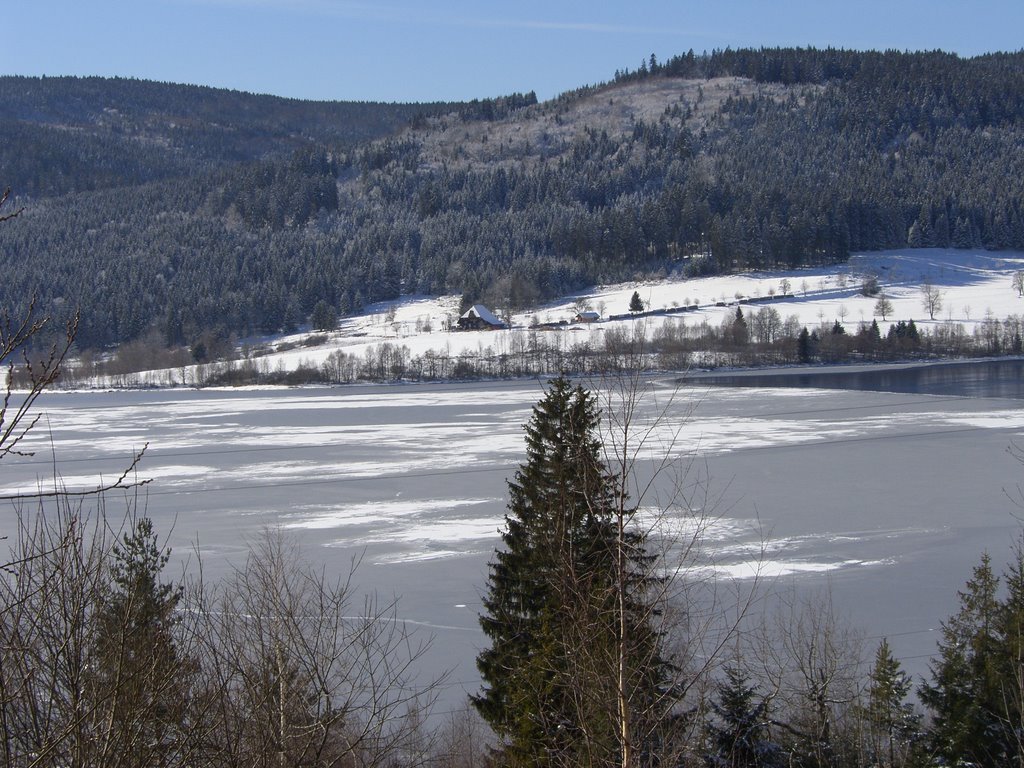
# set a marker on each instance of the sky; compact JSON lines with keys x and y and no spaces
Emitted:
{"x":455,"y":50}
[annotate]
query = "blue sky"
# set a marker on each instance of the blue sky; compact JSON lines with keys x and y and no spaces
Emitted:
{"x":447,"y":50}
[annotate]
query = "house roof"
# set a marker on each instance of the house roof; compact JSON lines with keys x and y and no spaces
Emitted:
{"x":479,"y":310}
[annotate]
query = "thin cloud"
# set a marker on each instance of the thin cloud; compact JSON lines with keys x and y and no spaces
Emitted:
{"x":568,"y":26}
{"x":382,"y":12}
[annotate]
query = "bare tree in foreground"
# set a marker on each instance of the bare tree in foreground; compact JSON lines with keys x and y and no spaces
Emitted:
{"x":104,"y":663}
{"x":664,"y":500}
{"x":304,"y":673}
{"x":96,"y":667}
{"x":812,"y":668}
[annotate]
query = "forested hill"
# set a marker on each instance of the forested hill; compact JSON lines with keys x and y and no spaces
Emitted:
{"x":69,"y":134}
{"x":703,"y":163}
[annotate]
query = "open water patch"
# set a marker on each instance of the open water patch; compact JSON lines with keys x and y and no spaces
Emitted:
{"x":1000,"y":378}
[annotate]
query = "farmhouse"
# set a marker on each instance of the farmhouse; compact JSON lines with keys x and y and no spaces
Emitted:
{"x":479,"y":318}
{"x":587,"y":317}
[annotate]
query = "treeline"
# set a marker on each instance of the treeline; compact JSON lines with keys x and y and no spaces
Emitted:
{"x":977,"y":91}
{"x":818,"y":154}
{"x":760,"y":337}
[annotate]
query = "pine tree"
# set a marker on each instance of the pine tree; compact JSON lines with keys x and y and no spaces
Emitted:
{"x":636,"y":304}
{"x":803,"y":346}
{"x":739,"y":737}
{"x":892,"y":724}
{"x":137,"y":679}
{"x":324,"y":318}
{"x":964,"y":694}
{"x":1010,"y":662}
{"x":738,"y":329}
{"x":550,"y":608}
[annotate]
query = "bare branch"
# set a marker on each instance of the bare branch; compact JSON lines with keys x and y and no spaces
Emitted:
{"x":3,"y":199}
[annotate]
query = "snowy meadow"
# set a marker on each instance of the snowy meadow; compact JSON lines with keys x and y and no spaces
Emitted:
{"x":971,"y":292}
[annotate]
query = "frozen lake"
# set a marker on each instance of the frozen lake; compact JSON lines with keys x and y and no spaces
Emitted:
{"x":888,"y":497}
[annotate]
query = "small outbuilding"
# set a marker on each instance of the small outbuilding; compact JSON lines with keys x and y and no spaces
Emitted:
{"x":479,"y":318}
{"x":587,"y":317}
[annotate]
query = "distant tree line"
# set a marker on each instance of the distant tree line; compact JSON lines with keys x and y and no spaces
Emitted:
{"x":64,"y":135}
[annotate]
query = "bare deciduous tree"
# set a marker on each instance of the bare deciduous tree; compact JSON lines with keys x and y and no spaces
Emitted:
{"x":664,"y":503}
{"x":302,"y":673}
{"x":766,"y":324}
{"x":811,"y":665}
{"x":931,"y":298}
{"x":883,"y":307}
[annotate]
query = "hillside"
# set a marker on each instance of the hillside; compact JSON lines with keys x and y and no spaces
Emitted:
{"x":260,"y":209}
{"x":61,"y":135}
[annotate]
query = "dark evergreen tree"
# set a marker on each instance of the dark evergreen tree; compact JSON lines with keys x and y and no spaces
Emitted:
{"x":803,"y":346}
{"x":550,"y":606}
{"x":893,"y":728}
{"x":137,"y":679}
{"x":739,"y":331}
{"x":324,"y":317}
{"x":636,"y":304}
{"x":739,"y":736}
{"x":971,"y":723}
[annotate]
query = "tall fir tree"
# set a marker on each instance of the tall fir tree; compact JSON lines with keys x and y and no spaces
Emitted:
{"x":971,"y":720}
{"x":738,"y":736}
{"x":892,"y":725}
{"x":550,"y":610}
{"x":137,"y":678}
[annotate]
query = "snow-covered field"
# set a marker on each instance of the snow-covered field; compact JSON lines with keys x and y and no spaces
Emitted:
{"x":887,"y":498}
{"x":973,"y":285}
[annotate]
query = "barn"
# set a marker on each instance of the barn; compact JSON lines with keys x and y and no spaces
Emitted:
{"x":479,"y":318}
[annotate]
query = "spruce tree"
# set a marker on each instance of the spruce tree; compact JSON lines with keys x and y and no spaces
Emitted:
{"x":892,"y":725}
{"x":738,"y":736}
{"x":965,"y":694}
{"x":324,"y":317}
{"x":636,"y":304}
{"x":740,"y":331}
{"x":803,"y":346}
{"x":550,"y":610}
{"x":137,"y":679}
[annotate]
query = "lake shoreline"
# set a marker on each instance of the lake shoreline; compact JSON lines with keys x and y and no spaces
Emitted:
{"x":711,"y":376}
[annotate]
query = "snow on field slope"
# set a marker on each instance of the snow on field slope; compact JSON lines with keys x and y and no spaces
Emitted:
{"x":973,"y":285}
